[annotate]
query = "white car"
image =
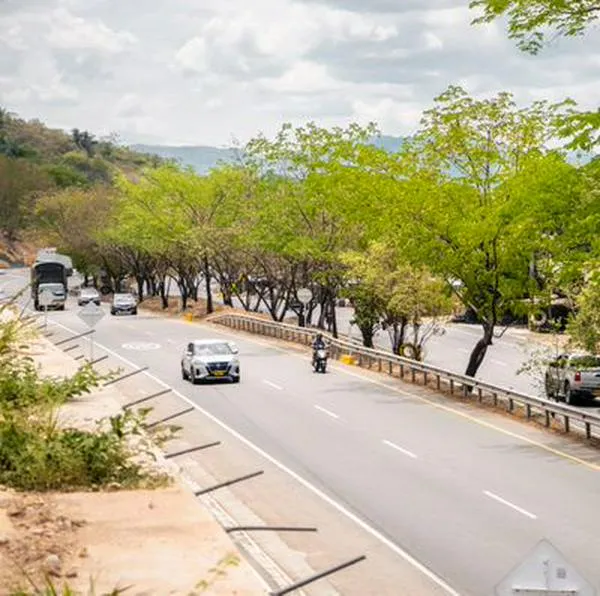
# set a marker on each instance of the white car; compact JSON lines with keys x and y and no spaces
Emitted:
{"x":210,"y":359}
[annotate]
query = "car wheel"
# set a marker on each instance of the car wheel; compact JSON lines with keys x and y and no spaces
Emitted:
{"x":548,"y":388}
{"x":112,"y":312}
{"x":184,"y":375}
{"x":134,"y":312}
{"x":193,"y":378}
{"x":569,"y":396}
{"x":235,"y":379}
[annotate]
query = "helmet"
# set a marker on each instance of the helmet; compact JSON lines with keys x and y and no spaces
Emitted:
{"x":319,"y":336}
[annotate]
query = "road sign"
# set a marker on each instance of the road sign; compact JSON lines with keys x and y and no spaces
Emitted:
{"x":545,"y":572}
{"x":90,"y":314}
{"x":45,"y":298}
{"x":304,"y":295}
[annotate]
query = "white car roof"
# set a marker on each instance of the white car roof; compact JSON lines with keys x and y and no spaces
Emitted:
{"x":209,"y":341}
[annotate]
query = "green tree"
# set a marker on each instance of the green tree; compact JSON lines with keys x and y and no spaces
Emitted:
{"x":584,"y":328}
{"x":307,"y":212}
{"x":388,"y":293}
{"x":458,"y":212}
{"x":530,"y":21}
{"x":20,"y":181}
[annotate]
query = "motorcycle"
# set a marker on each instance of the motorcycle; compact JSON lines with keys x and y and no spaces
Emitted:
{"x":320,"y":360}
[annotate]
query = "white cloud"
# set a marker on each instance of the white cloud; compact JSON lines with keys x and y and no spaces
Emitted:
{"x":304,"y":76}
{"x":203,"y":71}
{"x":69,"y":32}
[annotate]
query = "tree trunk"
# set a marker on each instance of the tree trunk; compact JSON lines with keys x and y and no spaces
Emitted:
{"x":367,"y":335}
{"x":479,"y":351}
{"x":334,"y":327}
{"x":209,"y":299}
{"x":164,"y":295}
{"x":140,"y":287}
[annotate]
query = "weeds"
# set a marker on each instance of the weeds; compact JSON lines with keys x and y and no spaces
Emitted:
{"x":51,"y":589}
{"x":36,"y":452}
{"x":217,"y":572}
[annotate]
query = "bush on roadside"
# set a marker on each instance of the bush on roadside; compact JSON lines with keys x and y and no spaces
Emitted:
{"x":36,"y":452}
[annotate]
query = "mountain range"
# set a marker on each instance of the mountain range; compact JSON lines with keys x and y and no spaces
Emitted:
{"x":202,"y":158}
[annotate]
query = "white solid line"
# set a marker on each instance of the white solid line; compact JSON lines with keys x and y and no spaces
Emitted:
{"x":321,"y":494}
{"x":499,"y":362}
{"x":398,"y":448}
{"x":326,"y":411}
{"x":491,"y":495}
{"x":272,"y":385}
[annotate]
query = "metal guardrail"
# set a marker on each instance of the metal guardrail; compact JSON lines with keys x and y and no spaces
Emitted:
{"x":415,"y":371}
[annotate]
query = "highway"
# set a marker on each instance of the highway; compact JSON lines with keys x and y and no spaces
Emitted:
{"x":452,"y":349}
{"x":466,"y":499}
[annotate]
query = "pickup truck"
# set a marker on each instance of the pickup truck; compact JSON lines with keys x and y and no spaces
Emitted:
{"x":571,"y":376}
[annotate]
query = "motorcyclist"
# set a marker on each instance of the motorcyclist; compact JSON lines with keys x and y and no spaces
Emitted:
{"x":318,"y":344}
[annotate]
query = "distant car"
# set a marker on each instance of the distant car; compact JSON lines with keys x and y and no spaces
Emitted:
{"x":87,"y":295}
{"x":210,"y":359}
{"x":123,"y":303}
{"x":572,"y":375}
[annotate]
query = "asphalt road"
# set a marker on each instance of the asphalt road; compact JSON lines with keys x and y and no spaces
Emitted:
{"x":452,"y":349}
{"x":467,"y":500}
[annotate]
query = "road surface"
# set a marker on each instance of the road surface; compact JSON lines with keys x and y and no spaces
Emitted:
{"x":467,"y":500}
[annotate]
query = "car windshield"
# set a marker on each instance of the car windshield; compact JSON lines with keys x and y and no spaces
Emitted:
{"x":585,"y":362}
{"x":213,"y":349}
{"x":88,"y":292}
{"x":56,"y":288}
{"x":123,"y":297}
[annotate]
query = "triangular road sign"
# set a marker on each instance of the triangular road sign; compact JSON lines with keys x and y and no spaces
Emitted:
{"x":544,"y":572}
{"x":90,"y":314}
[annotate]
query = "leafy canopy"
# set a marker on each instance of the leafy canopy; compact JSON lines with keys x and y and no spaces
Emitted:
{"x":530,"y":21}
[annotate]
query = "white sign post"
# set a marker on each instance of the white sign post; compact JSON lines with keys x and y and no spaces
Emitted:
{"x":305,"y":296}
{"x":45,"y":300}
{"x":91,"y":314}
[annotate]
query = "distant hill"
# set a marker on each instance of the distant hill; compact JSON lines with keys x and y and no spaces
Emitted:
{"x":200,"y":157}
{"x":203,"y":158}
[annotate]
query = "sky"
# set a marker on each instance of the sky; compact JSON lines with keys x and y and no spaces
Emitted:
{"x":210,"y":72}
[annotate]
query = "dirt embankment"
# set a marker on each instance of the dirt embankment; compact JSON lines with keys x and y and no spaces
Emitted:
{"x":159,"y":541}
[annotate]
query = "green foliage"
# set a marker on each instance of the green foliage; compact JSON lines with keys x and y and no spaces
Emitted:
{"x":36,"y":452}
{"x":530,"y":21}
{"x":219,"y":571}
{"x":584,"y":329}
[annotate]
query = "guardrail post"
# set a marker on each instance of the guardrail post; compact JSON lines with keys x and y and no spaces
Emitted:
{"x":547,"y":418}
{"x":511,"y":404}
{"x":495,"y":395}
{"x":390,"y":368}
{"x":528,"y":408}
{"x":401,"y":370}
{"x":479,"y":394}
{"x":438,"y":382}
{"x":412,"y":375}
{"x":567,"y":425}
{"x":380,"y":364}
{"x":452,"y":386}
{"x":425,"y":378}
{"x":588,"y":431}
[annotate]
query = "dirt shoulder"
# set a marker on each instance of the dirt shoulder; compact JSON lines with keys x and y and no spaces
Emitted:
{"x":156,"y":541}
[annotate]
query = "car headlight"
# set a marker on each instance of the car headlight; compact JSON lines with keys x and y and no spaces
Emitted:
{"x":234,"y":362}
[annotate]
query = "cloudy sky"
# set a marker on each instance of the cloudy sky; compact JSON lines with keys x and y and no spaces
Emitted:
{"x":208,"y":71}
